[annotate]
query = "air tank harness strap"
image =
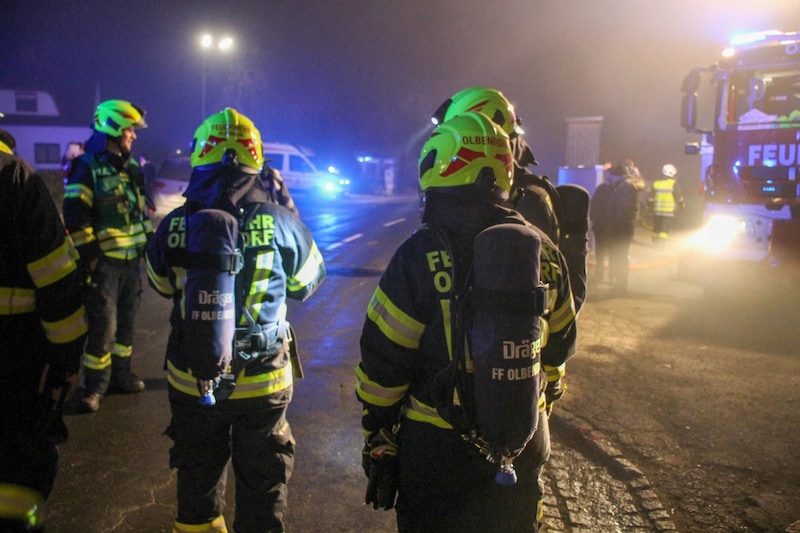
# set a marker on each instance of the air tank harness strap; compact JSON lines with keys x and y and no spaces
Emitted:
{"x":257,"y":341}
{"x":231,"y":263}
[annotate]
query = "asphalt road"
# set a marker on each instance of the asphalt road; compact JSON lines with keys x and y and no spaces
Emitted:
{"x":702,"y":394}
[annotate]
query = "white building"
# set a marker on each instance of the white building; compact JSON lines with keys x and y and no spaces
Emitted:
{"x":33,"y":119}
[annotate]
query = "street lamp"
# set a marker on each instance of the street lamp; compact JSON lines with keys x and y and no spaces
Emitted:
{"x":208,"y":43}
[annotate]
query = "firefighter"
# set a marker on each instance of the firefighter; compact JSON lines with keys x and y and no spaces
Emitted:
{"x":104,"y":211}
{"x":664,"y":199}
{"x":497,"y":107}
{"x":533,"y":196}
{"x":42,"y":327}
{"x":414,"y":449}
{"x":274,"y":258}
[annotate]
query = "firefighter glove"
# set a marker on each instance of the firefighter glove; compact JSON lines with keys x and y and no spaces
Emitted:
{"x":555,"y":390}
{"x":379,"y":459}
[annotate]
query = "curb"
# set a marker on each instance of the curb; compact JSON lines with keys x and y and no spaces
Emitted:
{"x":623,"y":469}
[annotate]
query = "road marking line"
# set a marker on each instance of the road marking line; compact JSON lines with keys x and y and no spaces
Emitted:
{"x":352,"y":237}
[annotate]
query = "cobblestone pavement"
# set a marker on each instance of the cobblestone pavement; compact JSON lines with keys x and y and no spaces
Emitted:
{"x":591,"y":487}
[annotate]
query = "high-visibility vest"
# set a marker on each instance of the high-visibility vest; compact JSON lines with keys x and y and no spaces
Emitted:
{"x":663,"y":197}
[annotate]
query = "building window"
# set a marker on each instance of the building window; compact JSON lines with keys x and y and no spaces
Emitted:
{"x":27,"y":101}
{"x":47,"y":153}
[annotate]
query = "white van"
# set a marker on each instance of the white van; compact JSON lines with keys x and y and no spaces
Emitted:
{"x":300,"y":174}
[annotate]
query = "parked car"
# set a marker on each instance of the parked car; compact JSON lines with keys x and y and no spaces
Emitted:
{"x":170,"y":181}
{"x":300,"y":174}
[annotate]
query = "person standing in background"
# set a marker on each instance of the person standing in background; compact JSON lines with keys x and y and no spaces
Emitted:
{"x":613,"y":210}
{"x":664,"y":199}
{"x":104,"y":212}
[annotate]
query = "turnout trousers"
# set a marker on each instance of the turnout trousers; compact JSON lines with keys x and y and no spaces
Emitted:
{"x":254,"y":435}
{"x":27,"y":456}
{"x":112,"y":302}
{"x":446,"y":485}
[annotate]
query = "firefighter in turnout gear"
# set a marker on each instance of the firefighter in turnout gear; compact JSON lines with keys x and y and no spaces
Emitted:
{"x":418,"y":375}
{"x":561,"y":212}
{"x":42,"y":327}
{"x":229,"y":258}
{"x":664,"y":200}
{"x":104,"y":211}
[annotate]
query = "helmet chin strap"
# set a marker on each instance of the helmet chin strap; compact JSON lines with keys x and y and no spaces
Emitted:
{"x":114,"y":146}
{"x":486,"y":180}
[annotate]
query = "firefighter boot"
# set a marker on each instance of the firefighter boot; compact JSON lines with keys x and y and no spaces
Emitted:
{"x":122,"y":379}
{"x":96,"y":384}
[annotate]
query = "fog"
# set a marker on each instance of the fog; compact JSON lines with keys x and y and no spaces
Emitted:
{"x":346,"y":77}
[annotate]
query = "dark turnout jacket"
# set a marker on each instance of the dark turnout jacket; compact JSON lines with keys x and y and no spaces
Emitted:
{"x":613,"y":210}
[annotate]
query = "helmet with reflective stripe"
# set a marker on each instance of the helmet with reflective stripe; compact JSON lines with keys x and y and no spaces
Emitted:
{"x":488,"y":101}
{"x":225,"y":131}
{"x":6,"y":142}
{"x":669,"y":171}
{"x":460,"y":148}
{"x":113,"y":116}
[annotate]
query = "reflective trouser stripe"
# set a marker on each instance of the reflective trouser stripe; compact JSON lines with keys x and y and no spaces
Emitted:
{"x":215,"y":526}
{"x":120,"y":350}
{"x":96,"y":362}
{"x":21,"y":504}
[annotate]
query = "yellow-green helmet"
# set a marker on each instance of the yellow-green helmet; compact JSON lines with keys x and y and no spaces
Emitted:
{"x":459,"y":148}
{"x":488,"y":101}
{"x":224,"y":131}
{"x":7,"y":141}
{"x":113,"y":116}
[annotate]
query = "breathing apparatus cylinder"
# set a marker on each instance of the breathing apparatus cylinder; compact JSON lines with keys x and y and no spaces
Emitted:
{"x":211,"y":241}
{"x":508,"y":300}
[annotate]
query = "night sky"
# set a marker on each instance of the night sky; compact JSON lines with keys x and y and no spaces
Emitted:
{"x":348,"y":77}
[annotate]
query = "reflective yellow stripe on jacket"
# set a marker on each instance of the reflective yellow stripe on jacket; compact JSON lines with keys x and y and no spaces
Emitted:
{"x":122,"y":243}
{"x":246,"y":386}
{"x":17,"y":301}
{"x":55,"y":266}
{"x":376,"y":394}
{"x":420,"y":412}
{"x":393,"y":322}
{"x":160,"y":283}
{"x":67,"y":329}
{"x":307,"y":273}
{"x":562,"y":316}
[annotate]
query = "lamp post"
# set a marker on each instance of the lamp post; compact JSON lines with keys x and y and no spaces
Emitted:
{"x":207,"y":43}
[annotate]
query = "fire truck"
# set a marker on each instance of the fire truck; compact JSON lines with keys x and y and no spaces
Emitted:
{"x":749,"y":102}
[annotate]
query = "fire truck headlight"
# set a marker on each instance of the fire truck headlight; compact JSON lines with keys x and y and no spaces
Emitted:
{"x":720,"y":231}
